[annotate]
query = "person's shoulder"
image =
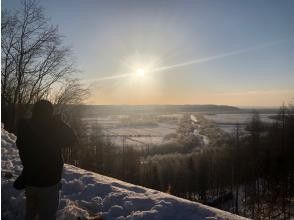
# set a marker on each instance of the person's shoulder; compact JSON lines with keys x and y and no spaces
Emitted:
{"x":60,"y":125}
{"x":23,"y":126}
{"x":64,"y":133}
{"x":23,"y":122}
{"x":58,"y":122}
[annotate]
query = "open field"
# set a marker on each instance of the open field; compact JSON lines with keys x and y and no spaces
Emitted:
{"x":144,"y":130}
{"x":149,"y":125}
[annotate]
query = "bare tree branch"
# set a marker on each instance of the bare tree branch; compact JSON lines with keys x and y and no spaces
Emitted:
{"x":33,"y":57}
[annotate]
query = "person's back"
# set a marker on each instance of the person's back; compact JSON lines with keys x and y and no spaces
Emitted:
{"x":39,"y":141}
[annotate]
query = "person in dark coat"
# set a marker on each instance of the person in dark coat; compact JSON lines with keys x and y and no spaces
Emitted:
{"x":40,"y":140}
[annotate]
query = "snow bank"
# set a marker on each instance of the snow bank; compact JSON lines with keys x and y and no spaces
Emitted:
{"x":86,"y":195}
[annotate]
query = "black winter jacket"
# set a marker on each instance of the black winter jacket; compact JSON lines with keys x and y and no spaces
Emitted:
{"x":39,"y":144}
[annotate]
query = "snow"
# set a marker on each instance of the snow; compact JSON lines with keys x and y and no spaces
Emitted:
{"x":205,"y":139}
{"x":154,"y":130}
{"x":154,"y":134}
{"x":193,"y":118}
{"x":86,"y":195}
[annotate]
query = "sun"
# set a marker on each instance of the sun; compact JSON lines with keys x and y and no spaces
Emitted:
{"x":140,"y":72}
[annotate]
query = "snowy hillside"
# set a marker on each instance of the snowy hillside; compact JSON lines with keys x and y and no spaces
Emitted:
{"x":86,"y":194}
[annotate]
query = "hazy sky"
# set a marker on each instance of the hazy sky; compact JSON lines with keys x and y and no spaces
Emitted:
{"x":232,"y":52}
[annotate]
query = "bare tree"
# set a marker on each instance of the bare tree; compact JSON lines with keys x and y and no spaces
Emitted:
{"x":72,"y":92}
{"x":33,"y":56}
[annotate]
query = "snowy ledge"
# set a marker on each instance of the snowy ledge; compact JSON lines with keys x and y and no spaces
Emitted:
{"x":86,"y":194}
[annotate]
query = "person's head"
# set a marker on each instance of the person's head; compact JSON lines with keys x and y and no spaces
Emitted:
{"x":42,"y":110}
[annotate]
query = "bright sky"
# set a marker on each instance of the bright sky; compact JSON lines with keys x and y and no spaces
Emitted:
{"x":231,"y":52}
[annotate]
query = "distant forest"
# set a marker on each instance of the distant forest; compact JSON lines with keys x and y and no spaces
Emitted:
{"x":93,"y":110}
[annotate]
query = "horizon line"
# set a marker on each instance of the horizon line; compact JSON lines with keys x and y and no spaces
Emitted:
{"x":238,"y":106}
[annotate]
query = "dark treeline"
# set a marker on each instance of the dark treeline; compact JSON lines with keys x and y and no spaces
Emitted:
{"x":251,"y":173}
{"x":92,"y":110}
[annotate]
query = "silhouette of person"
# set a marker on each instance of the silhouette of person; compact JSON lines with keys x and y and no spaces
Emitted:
{"x":40,"y":140}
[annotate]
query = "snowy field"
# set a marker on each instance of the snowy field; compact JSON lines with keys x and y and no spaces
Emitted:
{"x":86,"y":195}
{"x":143,"y":130}
{"x":140,"y":131}
{"x":228,"y":122}
{"x":154,"y":129}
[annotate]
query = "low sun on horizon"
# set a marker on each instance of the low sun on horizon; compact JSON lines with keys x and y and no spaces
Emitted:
{"x":140,"y":72}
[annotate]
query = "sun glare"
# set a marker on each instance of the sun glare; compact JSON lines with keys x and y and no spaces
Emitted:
{"x":140,"y":72}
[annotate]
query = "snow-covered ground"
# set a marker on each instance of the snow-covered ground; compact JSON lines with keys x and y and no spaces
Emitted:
{"x":154,"y":131}
{"x":86,"y":194}
{"x":147,"y":132}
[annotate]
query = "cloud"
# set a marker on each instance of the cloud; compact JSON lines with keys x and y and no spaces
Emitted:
{"x":220,"y":56}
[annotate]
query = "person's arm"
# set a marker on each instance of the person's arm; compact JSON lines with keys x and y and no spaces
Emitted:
{"x":67,"y":138}
{"x":66,"y":135}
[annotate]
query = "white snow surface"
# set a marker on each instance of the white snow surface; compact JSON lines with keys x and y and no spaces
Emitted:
{"x":86,"y":195}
